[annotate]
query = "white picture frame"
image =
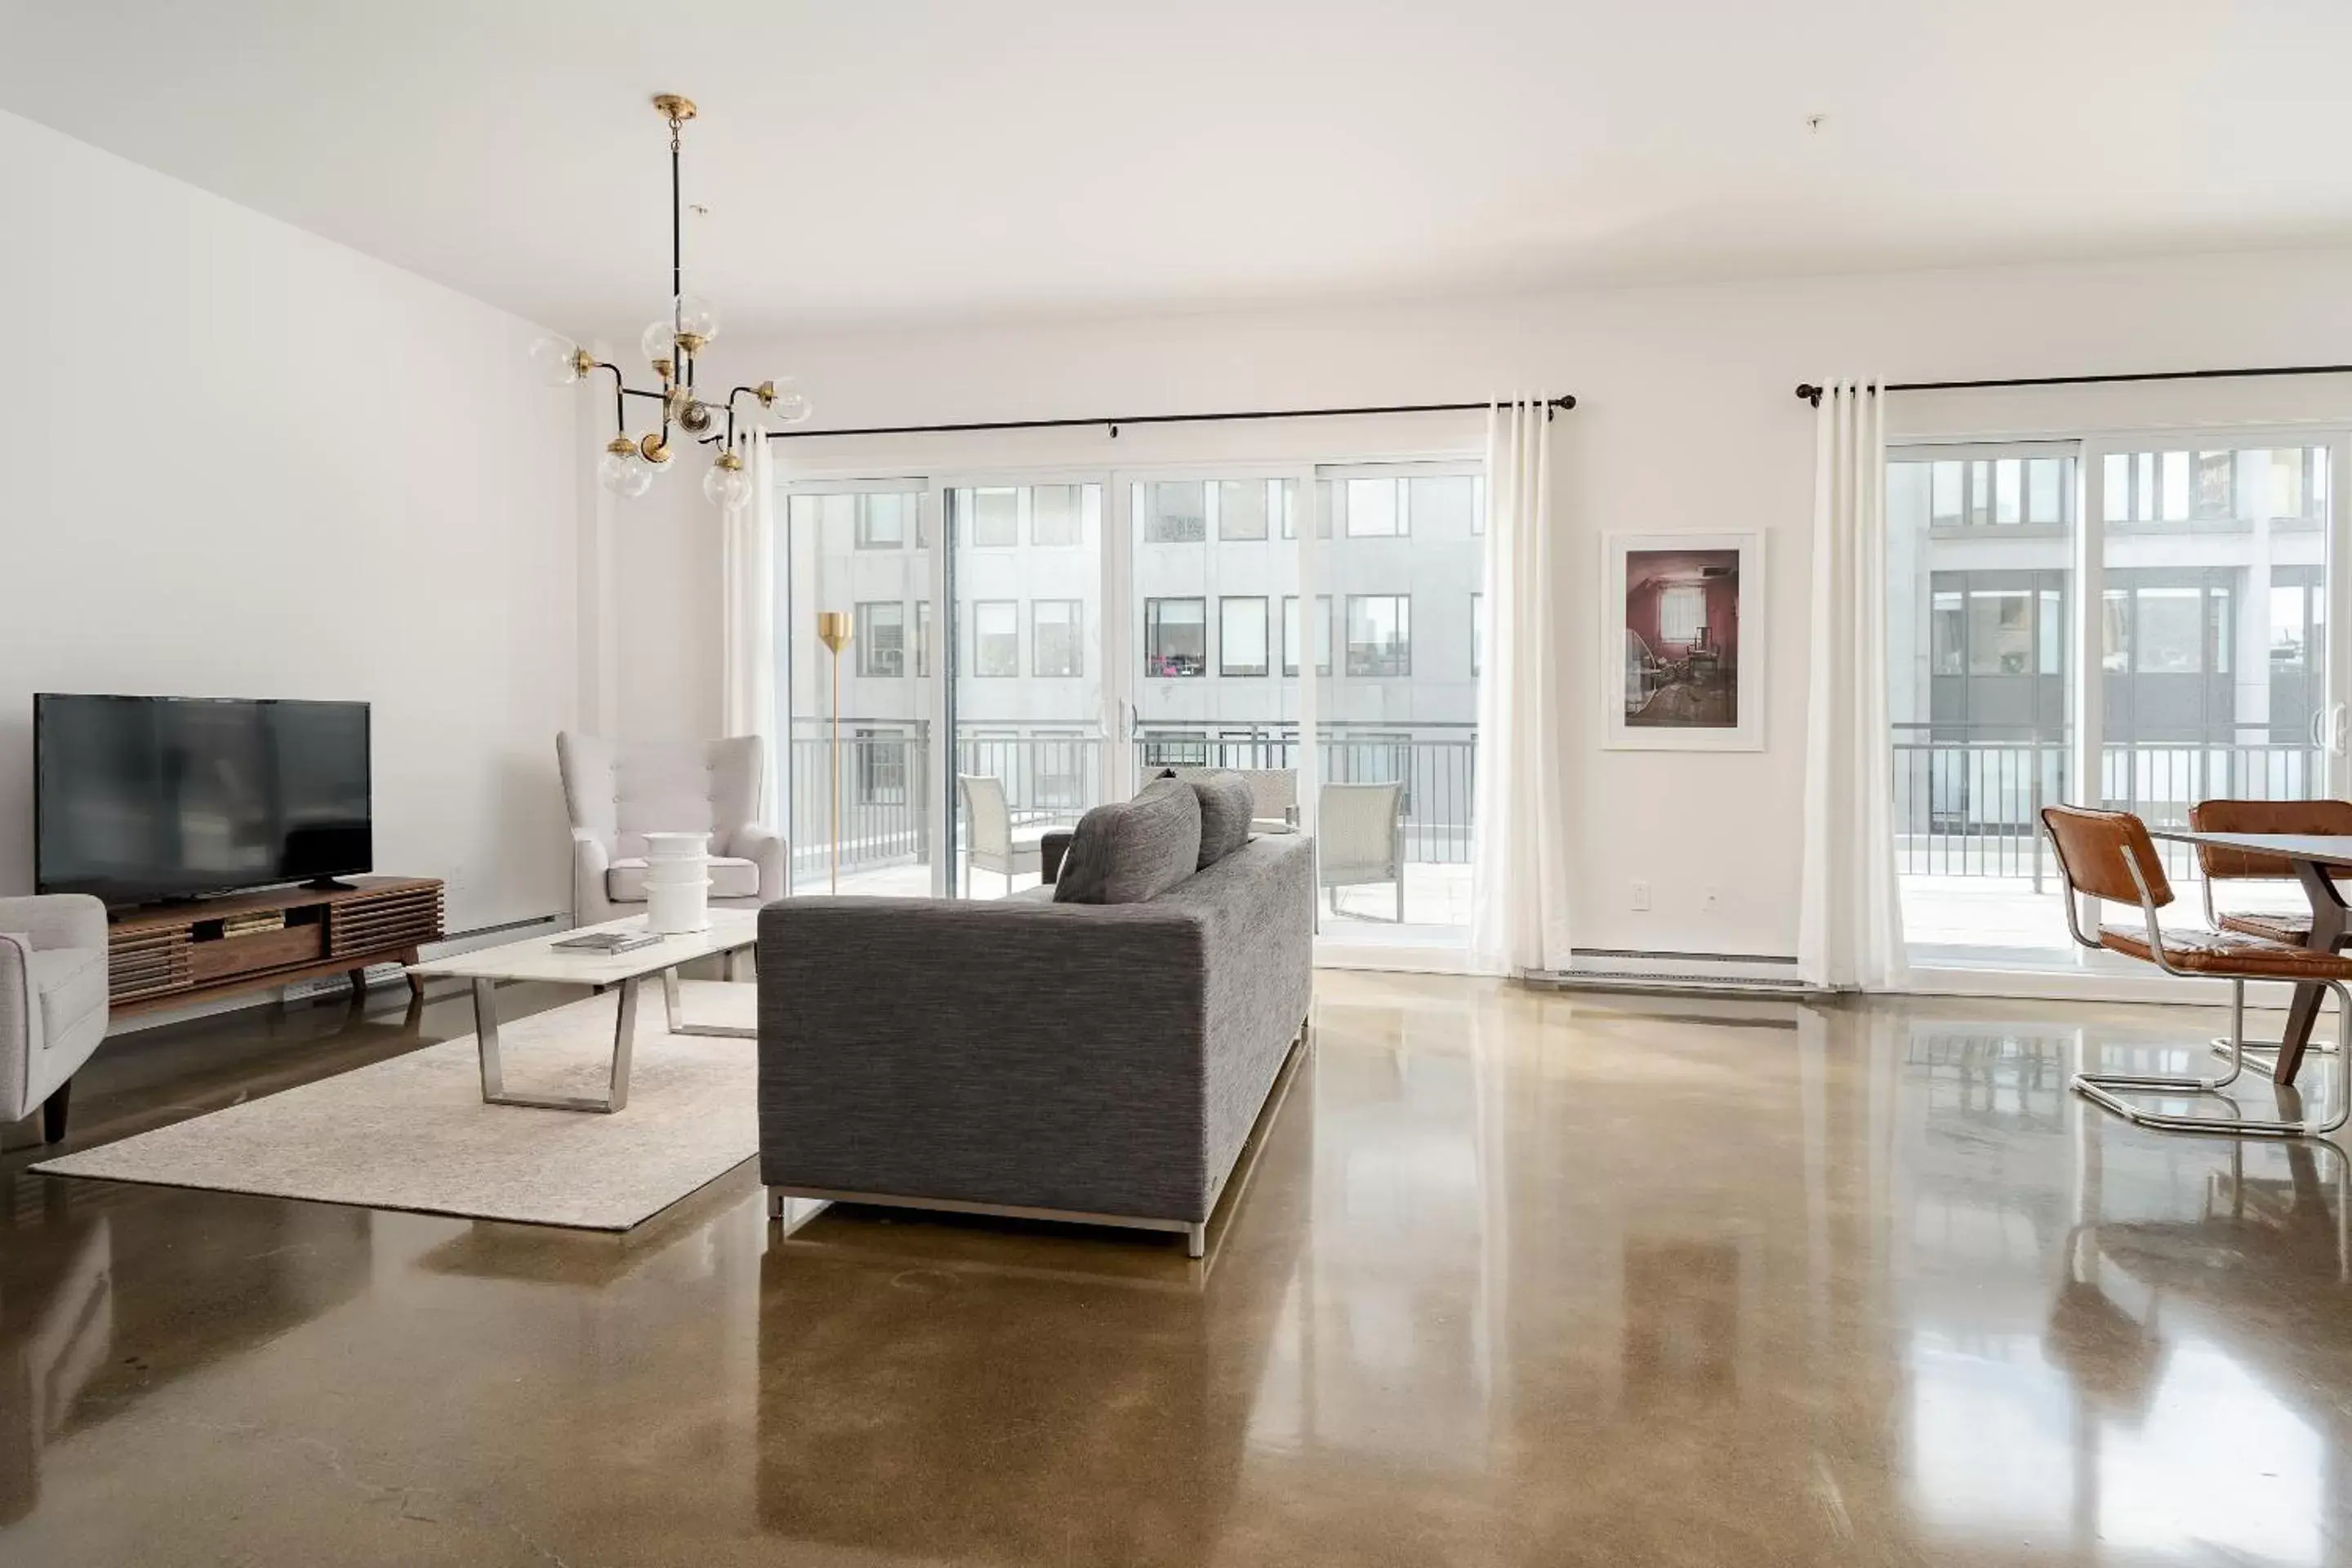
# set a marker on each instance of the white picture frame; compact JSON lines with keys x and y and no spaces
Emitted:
{"x":1681,"y":642}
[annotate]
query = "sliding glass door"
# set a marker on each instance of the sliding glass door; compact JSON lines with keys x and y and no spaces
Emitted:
{"x":1032,"y":728}
{"x":1072,"y":634}
{"x":859,"y":794}
{"x":1398,"y":625}
{"x":2138,"y":623}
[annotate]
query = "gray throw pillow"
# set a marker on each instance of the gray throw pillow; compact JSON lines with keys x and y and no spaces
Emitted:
{"x":1226,"y":807}
{"x":1130,"y":851}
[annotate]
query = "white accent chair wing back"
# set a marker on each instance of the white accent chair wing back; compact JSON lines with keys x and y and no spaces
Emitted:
{"x":52,"y":1001}
{"x":617,"y":793}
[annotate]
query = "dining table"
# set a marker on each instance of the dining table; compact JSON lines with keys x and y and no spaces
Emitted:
{"x":2318,"y":860}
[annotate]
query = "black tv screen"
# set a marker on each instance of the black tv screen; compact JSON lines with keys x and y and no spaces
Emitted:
{"x":141,"y":798}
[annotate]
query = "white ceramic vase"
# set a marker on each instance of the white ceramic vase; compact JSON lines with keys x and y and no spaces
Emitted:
{"x":677,"y":882}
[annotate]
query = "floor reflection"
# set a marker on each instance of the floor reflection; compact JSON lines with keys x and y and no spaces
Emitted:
{"x":1517,"y":1277}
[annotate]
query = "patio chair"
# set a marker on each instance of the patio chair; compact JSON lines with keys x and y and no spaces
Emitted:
{"x":1360,"y":839}
{"x":991,"y":840}
{"x":2330,"y":817}
{"x":2108,"y":856}
{"x":1274,"y":791}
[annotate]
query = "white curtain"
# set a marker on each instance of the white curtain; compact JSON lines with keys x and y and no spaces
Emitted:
{"x":1519,"y":862}
{"x":1849,"y":916}
{"x":748,"y":617}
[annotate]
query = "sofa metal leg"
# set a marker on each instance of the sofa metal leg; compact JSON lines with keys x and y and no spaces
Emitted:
{"x":53,"y":1113}
{"x":1196,"y":1240}
{"x":775,"y":1203}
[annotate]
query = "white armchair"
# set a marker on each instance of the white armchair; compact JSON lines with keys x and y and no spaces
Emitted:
{"x":52,"y":1002}
{"x":1359,"y":838}
{"x":618,"y":794}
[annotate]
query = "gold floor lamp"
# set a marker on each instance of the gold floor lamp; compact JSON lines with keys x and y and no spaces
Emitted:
{"x":834,"y":628}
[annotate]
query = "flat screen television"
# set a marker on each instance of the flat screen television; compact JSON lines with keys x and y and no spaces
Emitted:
{"x":140,"y":799}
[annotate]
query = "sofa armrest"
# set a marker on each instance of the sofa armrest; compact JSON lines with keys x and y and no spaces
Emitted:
{"x":56,"y":920}
{"x":764,"y":848}
{"x":1020,"y":1053}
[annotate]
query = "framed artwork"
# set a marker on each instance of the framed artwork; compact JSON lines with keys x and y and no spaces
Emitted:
{"x":1682,"y":650}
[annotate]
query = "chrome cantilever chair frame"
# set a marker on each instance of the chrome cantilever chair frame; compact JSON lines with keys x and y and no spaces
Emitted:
{"x":2099,"y":1087}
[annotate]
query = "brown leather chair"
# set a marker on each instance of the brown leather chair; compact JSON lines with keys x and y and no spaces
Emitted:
{"x":2330,"y":817}
{"x":2108,"y":856}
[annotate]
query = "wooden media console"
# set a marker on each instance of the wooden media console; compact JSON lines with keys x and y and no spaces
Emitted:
{"x":174,"y":954}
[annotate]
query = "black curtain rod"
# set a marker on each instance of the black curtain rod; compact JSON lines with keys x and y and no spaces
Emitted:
{"x":1812,"y":394}
{"x":1557,"y":403}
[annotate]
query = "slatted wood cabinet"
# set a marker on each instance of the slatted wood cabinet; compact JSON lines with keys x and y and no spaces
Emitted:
{"x":178,"y":954}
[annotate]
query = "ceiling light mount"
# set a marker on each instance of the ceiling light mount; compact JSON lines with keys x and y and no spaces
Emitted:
{"x":670,"y":347}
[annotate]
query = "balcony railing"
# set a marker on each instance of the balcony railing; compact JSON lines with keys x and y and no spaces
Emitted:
{"x":888,"y":815}
{"x":1972,"y":808}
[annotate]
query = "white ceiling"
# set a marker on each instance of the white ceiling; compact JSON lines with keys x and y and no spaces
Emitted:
{"x":929,"y":160}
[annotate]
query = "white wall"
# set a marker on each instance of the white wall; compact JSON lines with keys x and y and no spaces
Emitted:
{"x":1686,"y":420}
{"x":243,"y":460}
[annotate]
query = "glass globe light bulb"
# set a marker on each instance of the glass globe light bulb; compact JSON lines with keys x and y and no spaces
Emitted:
{"x":697,"y":315}
{"x":724,"y":487}
{"x":555,"y":360}
{"x":655,"y":342}
{"x":784,"y":401}
{"x":622,"y":472}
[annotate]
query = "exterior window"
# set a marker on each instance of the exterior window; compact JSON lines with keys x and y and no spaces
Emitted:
{"x":882,"y":521}
{"x":1379,"y":634}
{"x":1682,"y":612}
{"x":923,"y":638}
{"x":1176,"y":511}
{"x":1053,"y":637}
{"x":1242,"y":508}
{"x":2216,"y":483}
{"x":1322,"y":633}
{"x":881,"y":632}
{"x":881,"y":767}
{"x":2171,"y":631}
{"x":1290,"y":520}
{"x":1375,"y":508}
{"x":1241,"y":637}
{"x":1175,"y":637}
{"x":996,"y":517}
{"x":2000,"y":632}
{"x":995,"y":637}
{"x":2114,"y":630}
{"x":1950,"y":639}
{"x":1054,"y":514}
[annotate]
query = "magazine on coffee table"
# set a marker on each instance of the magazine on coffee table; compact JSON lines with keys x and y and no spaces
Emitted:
{"x":606,"y":942}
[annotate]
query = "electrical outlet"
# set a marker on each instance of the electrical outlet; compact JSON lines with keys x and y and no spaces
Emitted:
{"x":1641,"y":895}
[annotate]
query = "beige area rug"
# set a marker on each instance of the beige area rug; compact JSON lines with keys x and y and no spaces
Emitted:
{"x":413,"y":1132}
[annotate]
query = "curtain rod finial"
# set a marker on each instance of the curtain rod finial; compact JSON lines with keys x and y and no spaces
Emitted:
{"x":1810,"y":393}
{"x":1565,"y":402}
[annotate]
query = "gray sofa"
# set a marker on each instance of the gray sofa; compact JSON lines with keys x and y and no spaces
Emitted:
{"x":1102,"y":1062}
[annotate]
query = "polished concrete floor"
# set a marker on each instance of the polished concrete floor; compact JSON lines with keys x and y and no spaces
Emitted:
{"x":1517,"y":1278}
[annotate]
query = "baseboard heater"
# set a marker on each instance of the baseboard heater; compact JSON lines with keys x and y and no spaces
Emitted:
{"x":1633,"y":969}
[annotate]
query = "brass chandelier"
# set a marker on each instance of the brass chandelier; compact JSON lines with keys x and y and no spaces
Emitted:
{"x":671,"y":346}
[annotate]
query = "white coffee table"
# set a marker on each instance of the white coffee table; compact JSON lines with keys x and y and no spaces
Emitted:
{"x":730,"y":931}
